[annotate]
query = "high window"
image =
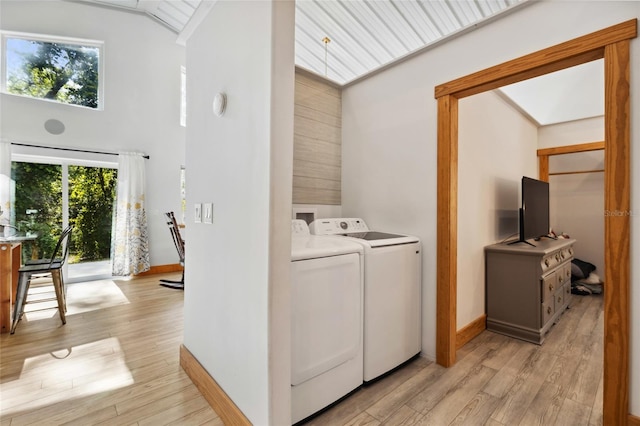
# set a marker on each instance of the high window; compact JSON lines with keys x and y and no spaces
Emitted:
{"x":60,"y":69}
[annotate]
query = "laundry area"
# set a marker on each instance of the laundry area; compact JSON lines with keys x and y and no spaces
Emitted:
{"x":355,"y":308}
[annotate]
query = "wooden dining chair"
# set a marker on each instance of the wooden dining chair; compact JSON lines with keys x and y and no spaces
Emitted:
{"x":42,"y":268}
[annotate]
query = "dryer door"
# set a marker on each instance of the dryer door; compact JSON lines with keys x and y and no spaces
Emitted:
{"x":326,"y":314}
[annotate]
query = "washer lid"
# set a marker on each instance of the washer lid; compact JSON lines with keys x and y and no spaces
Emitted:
{"x":380,"y":239}
{"x":315,"y":246}
{"x":374,"y":235}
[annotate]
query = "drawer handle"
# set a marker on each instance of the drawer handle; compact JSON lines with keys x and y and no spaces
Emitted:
{"x":549,"y":309}
{"x":560,"y":278}
{"x":559,"y":299}
{"x":550,"y":287}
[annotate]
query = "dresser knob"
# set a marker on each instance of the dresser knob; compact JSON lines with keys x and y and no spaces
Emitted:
{"x":549,"y":309}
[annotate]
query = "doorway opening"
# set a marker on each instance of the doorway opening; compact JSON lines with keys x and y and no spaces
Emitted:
{"x":612,"y":44}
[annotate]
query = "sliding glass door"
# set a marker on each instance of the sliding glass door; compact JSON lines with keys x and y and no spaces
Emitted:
{"x":49,"y":197}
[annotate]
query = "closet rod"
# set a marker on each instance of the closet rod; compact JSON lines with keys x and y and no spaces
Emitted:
{"x":576,"y":172}
{"x":69,"y":149}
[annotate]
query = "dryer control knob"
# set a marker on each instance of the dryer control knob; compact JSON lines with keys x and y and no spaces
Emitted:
{"x":344,"y":225}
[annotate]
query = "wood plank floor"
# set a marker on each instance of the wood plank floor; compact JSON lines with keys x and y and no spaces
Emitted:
{"x":496,"y":381}
{"x":116,"y":362}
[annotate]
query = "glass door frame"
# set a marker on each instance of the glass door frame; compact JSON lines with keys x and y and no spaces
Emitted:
{"x":45,"y":157}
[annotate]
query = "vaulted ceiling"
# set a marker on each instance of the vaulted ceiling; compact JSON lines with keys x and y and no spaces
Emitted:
{"x":345,"y":40}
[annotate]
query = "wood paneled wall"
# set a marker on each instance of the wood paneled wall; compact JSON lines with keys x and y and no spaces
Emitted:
{"x":317,"y":146}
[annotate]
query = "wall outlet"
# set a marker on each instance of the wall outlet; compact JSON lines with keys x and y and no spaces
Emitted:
{"x":207,"y":213}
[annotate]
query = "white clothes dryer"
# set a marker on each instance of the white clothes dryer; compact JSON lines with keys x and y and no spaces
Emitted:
{"x":392,"y":292}
{"x":326,"y":320}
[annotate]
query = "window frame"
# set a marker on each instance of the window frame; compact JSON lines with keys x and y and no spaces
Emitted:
{"x":4,"y":35}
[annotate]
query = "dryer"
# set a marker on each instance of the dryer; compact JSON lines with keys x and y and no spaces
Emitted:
{"x":326,"y":320}
{"x":392,"y":292}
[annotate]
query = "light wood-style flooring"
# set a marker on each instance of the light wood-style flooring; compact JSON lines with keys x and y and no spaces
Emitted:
{"x":496,"y":381}
{"x":116,"y":362}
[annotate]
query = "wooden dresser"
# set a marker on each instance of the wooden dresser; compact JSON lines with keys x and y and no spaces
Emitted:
{"x":527,"y":288}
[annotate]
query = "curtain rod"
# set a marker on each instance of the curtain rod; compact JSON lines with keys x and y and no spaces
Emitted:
{"x":69,"y":149}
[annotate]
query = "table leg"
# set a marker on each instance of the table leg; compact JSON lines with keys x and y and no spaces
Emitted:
{"x":9,"y":265}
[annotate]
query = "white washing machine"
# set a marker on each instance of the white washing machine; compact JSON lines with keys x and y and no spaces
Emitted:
{"x":392,"y":292}
{"x":326,"y":320}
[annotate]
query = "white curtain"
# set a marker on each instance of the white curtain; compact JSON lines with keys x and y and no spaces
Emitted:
{"x":5,"y":182}
{"x":130,"y":239}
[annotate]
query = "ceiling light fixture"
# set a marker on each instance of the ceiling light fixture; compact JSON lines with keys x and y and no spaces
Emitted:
{"x":326,"y":42}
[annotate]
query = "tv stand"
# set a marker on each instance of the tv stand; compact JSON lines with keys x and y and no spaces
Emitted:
{"x":528,"y":288}
{"x":521,"y":241}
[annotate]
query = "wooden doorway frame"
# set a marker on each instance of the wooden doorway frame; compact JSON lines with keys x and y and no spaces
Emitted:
{"x":612,"y":45}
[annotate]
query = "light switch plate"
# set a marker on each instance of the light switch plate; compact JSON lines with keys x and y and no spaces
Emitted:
{"x":197,"y":213}
{"x":207,"y":213}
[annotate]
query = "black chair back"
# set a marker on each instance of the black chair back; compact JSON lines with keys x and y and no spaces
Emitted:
{"x":61,"y":251}
{"x":175,"y":234}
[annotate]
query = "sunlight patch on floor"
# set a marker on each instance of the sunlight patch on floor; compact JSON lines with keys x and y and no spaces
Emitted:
{"x":88,"y":369}
{"x":89,"y":296}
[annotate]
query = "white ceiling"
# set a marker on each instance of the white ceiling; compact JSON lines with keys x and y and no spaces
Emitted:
{"x":571,"y":94}
{"x":175,"y":14}
{"x":367,"y":35}
{"x":364,"y":34}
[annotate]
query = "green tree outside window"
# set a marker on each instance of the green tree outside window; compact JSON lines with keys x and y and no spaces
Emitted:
{"x":62,"y":72}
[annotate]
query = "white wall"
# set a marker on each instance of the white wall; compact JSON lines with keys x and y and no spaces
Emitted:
{"x":497,"y":146}
{"x":236,"y":320}
{"x":571,"y":133}
{"x":390,"y":127}
{"x":141,"y":102}
{"x":577,"y":200}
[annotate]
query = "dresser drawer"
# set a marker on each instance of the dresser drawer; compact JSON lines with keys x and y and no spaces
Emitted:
{"x":558,"y":299}
{"x":547,"y":310}
{"x":549,"y":286}
{"x":567,"y":293}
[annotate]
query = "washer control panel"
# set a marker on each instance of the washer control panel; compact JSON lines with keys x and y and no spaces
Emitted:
{"x":299,"y":227}
{"x":337,"y":226}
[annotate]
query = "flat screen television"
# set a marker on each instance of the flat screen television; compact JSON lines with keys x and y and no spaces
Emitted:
{"x":534,"y":211}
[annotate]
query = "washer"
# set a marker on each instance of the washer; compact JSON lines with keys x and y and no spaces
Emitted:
{"x":326,"y":320}
{"x":392,"y":292}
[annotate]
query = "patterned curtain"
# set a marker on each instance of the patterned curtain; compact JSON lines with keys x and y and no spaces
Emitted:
{"x":5,"y":182}
{"x":130,"y":239}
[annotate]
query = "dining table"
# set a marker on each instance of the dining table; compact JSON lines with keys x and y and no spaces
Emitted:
{"x":10,"y":263}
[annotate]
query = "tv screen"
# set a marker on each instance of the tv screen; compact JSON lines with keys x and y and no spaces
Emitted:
{"x":534,"y":218}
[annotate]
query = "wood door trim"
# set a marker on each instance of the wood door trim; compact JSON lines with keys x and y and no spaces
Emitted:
{"x":564,"y":55}
{"x":571,"y":149}
{"x":612,"y":44}
{"x":545,"y":153}
{"x":617,"y":232}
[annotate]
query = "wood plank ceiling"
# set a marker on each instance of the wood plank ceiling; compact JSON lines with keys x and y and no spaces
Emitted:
{"x":364,"y":34}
